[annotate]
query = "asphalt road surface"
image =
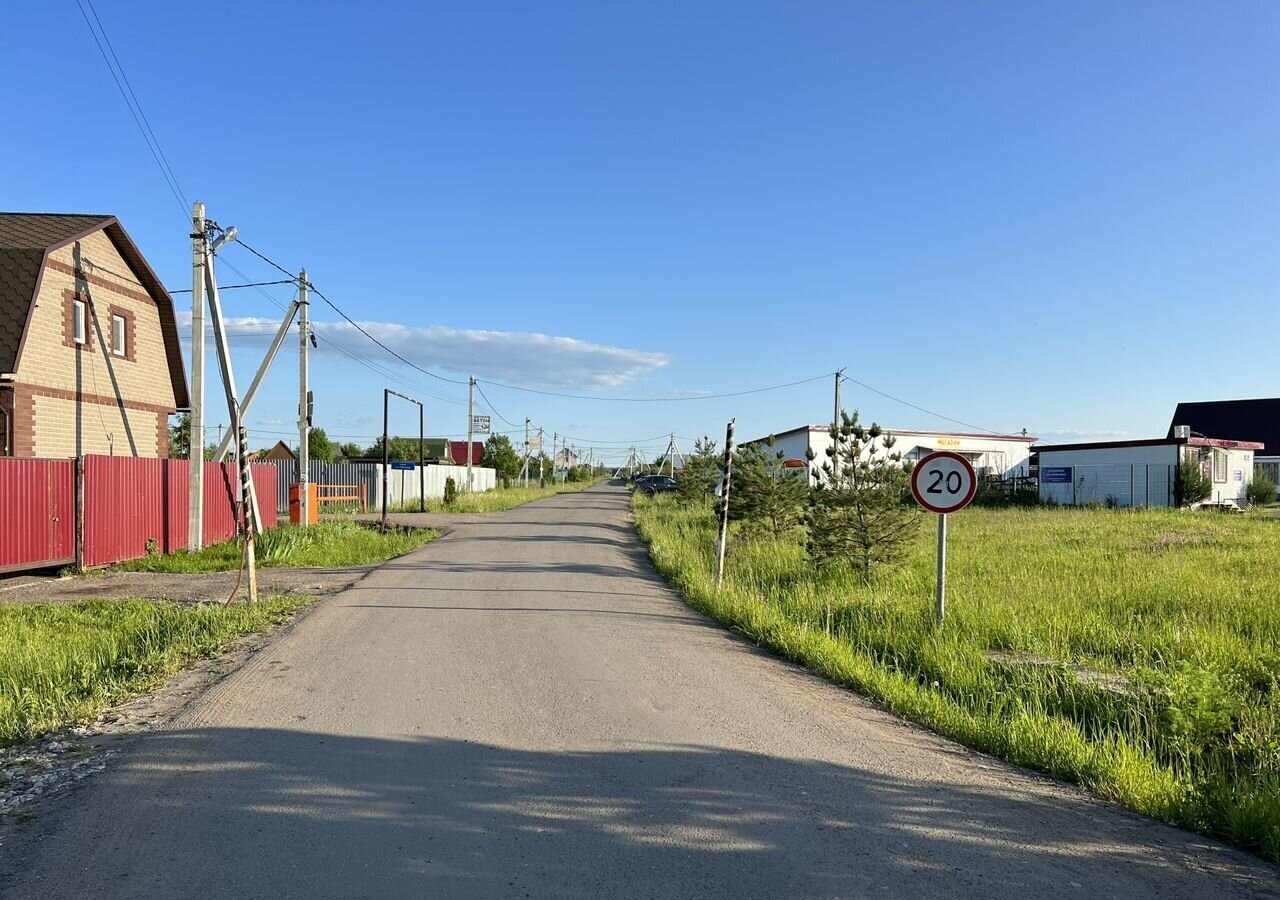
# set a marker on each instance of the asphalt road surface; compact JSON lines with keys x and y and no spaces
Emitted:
{"x":522,"y":709}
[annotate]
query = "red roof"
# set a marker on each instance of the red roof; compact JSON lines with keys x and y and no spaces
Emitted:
{"x":458,"y":450}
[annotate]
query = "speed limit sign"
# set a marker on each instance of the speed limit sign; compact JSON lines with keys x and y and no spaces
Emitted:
{"x":943,"y":482}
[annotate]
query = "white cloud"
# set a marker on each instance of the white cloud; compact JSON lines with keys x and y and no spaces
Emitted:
{"x":525,"y":358}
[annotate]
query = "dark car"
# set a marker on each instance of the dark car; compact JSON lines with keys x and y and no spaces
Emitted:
{"x":656,"y":484}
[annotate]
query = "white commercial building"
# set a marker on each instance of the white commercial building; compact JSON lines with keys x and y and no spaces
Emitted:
{"x":992,"y":455}
{"x":1142,"y":473}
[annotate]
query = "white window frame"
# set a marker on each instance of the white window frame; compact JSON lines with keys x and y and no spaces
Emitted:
{"x":119,"y":335}
{"x":1219,"y":459}
{"x":80,"y":322}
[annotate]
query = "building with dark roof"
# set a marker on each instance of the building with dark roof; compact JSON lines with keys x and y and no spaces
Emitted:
{"x":90,"y":360}
{"x":1249,"y":420}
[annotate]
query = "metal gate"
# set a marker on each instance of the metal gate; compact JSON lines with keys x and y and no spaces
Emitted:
{"x":37,"y":513}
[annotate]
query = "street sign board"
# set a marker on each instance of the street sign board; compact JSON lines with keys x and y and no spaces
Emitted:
{"x":403,"y":466}
{"x":943,"y":482}
{"x":1055,"y":474}
{"x":480,"y":424}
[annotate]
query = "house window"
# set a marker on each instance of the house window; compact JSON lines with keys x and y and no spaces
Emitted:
{"x":1219,"y":466}
{"x":79,"y":331}
{"x":119,"y":334}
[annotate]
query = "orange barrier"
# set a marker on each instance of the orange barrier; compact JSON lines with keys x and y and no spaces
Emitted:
{"x":343,"y":493}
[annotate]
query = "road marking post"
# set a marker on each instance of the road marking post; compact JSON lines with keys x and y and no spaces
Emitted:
{"x":943,"y":482}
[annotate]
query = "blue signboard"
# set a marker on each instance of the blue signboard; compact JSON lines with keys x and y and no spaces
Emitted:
{"x":1055,"y":474}
{"x":404,"y":466}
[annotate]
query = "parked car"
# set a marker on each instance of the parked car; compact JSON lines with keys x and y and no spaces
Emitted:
{"x":657,"y":484}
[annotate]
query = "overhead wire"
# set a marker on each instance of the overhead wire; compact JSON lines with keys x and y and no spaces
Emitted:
{"x":148,"y":135}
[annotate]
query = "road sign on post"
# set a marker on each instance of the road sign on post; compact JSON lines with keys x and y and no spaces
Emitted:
{"x":943,"y":482}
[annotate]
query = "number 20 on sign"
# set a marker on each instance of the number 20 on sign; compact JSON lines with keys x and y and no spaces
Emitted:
{"x":943,"y":482}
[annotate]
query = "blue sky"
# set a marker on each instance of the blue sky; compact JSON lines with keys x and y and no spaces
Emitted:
{"x":1063,"y":217}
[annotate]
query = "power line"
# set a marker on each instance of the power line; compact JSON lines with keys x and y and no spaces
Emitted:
{"x":148,"y":136}
{"x":761,"y":390}
{"x":494,"y":409}
{"x":232,"y":287}
{"x":919,"y":408}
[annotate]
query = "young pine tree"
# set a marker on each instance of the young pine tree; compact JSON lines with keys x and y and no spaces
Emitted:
{"x":766,"y":497}
{"x":701,"y":472}
{"x":858,"y":509}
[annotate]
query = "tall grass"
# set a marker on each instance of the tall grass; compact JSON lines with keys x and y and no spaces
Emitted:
{"x":326,"y":545}
{"x":62,"y":663}
{"x":1135,"y":652}
{"x":496,"y":500}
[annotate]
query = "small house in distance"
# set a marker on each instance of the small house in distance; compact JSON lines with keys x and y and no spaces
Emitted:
{"x":1143,"y":472}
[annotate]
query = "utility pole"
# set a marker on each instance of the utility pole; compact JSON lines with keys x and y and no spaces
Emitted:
{"x":195,"y":437}
{"x":555,"y":478}
{"x":304,"y":403}
{"x":724,"y":503}
{"x":541,"y":454}
{"x":835,"y":421}
{"x":471,"y":420}
{"x":526,"y":451}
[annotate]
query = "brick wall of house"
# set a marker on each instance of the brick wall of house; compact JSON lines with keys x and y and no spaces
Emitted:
{"x":85,"y":398}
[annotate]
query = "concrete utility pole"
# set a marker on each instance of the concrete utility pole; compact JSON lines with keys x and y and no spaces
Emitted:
{"x":471,"y":420}
{"x":835,"y":419}
{"x":540,"y":456}
{"x":195,"y":455}
{"x":555,"y":465}
{"x":526,"y":451}
{"x":304,"y":402}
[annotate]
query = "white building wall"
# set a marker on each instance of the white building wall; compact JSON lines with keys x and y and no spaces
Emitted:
{"x":1132,"y":476}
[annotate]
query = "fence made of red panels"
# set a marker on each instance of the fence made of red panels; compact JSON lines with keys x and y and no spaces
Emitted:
{"x":37,"y":513}
{"x":130,"y":506}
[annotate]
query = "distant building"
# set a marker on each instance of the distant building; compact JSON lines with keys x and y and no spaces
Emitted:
{"x":279,"y":451}
{"x":992,"y":455}
{"x":458,"y":452}
{"x":1250,"y":420}
{"x":1142,"y":472}
{"x":90,"y":360}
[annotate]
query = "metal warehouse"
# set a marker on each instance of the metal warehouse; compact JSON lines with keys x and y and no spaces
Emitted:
{"x":1143,"y":473}
{"x":1000,"y":456}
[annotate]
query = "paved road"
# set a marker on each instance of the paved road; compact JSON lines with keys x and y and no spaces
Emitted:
{"x":522,"y":710}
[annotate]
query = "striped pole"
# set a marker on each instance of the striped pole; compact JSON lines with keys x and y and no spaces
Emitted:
{"x":724,"y":503}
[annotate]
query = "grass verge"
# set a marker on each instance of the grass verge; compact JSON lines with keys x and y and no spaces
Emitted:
{"x":1134,"y":652}
{"x":329,"y":544}
{"x":496,"y":500}
{"x":62,"y":663}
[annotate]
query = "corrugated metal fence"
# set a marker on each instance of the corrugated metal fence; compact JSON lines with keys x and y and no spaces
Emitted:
{"x":128,"y":504}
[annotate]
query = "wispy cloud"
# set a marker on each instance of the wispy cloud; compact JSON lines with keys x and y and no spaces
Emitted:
{"x":526,"y":358}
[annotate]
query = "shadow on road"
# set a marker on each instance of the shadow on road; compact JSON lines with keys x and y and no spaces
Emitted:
{"x":288,"y":813}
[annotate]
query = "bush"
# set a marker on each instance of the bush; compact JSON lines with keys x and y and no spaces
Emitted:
{"x":1191,"y":485}
{"x":450,"y":491}
{"x":1262,"y":490}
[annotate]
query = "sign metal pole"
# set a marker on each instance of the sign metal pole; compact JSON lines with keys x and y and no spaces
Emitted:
{"x":942,"y":567}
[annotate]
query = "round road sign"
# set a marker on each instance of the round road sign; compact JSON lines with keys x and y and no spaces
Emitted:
{"x":943,"y":482}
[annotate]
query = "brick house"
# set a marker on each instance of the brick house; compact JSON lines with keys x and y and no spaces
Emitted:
{"x":90,"y":360}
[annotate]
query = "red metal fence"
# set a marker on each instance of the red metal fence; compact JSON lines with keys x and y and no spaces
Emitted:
{"x":128,"y":504}
{"x":37,"y":513}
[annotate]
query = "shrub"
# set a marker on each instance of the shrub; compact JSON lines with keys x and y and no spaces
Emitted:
{"x":1191,"y":485}
{"x":450,"y":491}
{"x":1262,"y":490}
{"x":702,"y":472}
{"x":765,"y":496}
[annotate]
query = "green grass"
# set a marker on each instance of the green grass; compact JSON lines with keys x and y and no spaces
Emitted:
{"x":1181,"y":609}
{"x":496,"y":500}
{"x":328,"y":544}
{"x":62,"y":663}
